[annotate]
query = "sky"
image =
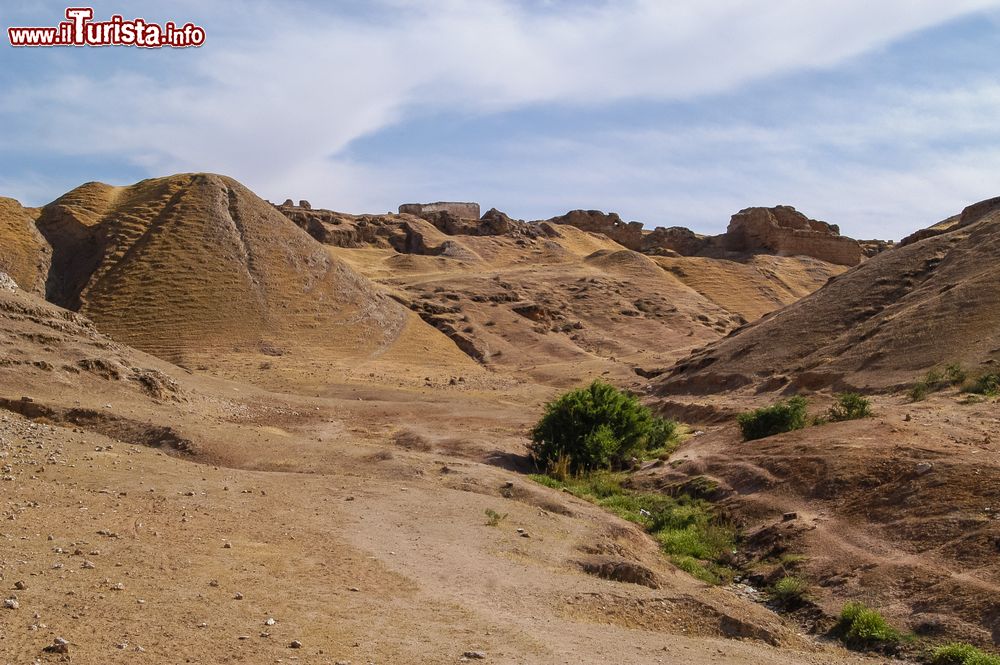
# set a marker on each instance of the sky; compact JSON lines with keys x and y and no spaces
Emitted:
{"x":881,"y":117}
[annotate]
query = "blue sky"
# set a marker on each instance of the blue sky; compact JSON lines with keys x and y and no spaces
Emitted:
{"x":880,"y":117}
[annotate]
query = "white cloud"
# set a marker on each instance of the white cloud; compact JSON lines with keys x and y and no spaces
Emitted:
{"x":277,"y":105}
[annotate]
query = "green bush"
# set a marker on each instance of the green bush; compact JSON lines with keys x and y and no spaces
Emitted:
{"x":863,"y":626}
{"x":789,"y":589}
{"x":688,"y":530}
{"x":962,"y":654}
{"x":774,"y":419}
{"x":850,"y":406}
{"x":987,"y":384}
{"x":597,"y":427}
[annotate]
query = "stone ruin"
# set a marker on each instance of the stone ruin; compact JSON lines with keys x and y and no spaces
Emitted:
{"x":455,"y":209}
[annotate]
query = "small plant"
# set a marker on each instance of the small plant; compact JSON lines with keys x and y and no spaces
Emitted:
{"x":774,"y":419}
{"x":597,"y":427}
{"x":937,"y":379}
{"x":493,"y":518}
{"x":790,"y":560}
{"x":864,"y":627}
{"x":790,"y":590}
{"x":962,"y":654}
{"x":850,"y":406}
{"x":987,"y":384}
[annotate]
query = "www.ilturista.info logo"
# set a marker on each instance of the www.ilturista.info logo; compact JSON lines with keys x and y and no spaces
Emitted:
{"x":80,"y":30}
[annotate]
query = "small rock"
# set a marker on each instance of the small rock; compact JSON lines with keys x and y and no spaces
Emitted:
{"x":227,"y":545}
{"x":20,"y":585}
{"x":11,"y":604}
{"x":269,"y":621}
{"x":788,"y":517}
{"x":59,"y":645}
{"x":295,"y":644}
{"x":238,"y":596}
{"x":475,"y":655}
{"x":922,"y":468}
{"x":88,"y":565}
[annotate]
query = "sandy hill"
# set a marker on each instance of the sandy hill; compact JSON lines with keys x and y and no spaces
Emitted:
{"x":197,"y":270}
{"x":928,"y":303}
{"x":24,"y":254}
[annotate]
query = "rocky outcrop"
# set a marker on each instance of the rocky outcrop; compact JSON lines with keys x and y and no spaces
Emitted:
{"x":969,"y":215}
{"x":780,"y":230}
{"x":626,"y":234}
{"x":785,"y":231}
{"x":462,"y":210}
{"x":333,"y":228}
{"x":399,"y":231}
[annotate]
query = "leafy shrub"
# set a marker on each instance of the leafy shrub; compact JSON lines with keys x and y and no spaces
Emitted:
{"x":789,"y":590}
{"x":850,"y":406}
{"x":597,"y":427}
{"x":987,"y":384}
{"x":962,"y":654}
{"x":863,"y":626}
{"x":774,"y":419}
{"x":937,"y":379}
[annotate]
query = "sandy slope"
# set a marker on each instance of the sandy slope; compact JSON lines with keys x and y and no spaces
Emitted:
{"x":363,"y":545}
{"x":877,"y":326}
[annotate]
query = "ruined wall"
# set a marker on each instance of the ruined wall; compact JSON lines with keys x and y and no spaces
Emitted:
{"x":458,"y":209}
{"x":785,"y":231}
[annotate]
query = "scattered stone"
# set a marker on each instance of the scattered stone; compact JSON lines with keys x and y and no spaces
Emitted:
{"x":295,"y":644}
{"x":269,"y":621}
{"x":227,"y":545}
{"x":11,"y":603}
{"x":20,"y":585}
{"x":238,"y":596}
{"x":788,"y":517}
{"x":88,"y":565}
{"x":923,"y":468}
{"x":353,"y":588}
{"x":474,"y":655}
{"x":59,"y":645}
